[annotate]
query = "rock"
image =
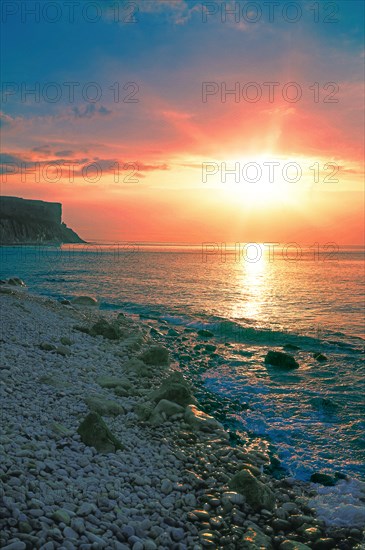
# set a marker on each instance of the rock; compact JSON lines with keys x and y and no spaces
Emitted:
{"x":324,"y":544}
{"x":164,"y":407}
{"x":281,"y":359}
{"x":102,"y":327}
{"x":320,"y":357}
{"x":155,"y":355}
{"x":61,"y":516}
{"x":174,"y":388}
{"x":291,"y":347}
{"x":46,"y":347}
{"x":16,"y":545}
{"x":293,"y":545}
{"x":210,"y":348}
{"x":205,"y":333}
{"x":66,"y":341}
{"x":138,"y":366}
{"x":95,"y":433}
{"x":15,"y":281}
{"x":256,"y":493}
{"x":102,"y":406}
{"x":144,"y":411}
{"x":166,"y":486}
{"x":255,"y":539}
{"x":199,"y":420}
{"x":60,"y":430}
{"x":84,"y":301}
{"x":111,"y":382}
{"x":323,"y":479}
{"x":63,"y":350}
{"x":86,"y":509}
{"x":54,"y":381}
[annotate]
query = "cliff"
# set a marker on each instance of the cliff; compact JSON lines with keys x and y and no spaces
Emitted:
{"x":24,"y":221}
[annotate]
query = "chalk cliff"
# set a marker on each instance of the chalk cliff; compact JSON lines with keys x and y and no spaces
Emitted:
{"x":24,"y":221}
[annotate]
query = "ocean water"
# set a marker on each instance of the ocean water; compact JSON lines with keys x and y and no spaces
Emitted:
{"x":313,"y":416}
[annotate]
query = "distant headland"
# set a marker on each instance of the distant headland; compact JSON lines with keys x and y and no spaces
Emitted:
{"x":24,"y":221}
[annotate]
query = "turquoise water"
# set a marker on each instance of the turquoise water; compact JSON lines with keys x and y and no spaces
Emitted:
{"x":314,"y":415}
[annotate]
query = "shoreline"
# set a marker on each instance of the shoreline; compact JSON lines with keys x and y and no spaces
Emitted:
{"x":171,"y":486}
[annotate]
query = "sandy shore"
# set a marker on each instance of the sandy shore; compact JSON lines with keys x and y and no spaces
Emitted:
{"x":164,"y":477}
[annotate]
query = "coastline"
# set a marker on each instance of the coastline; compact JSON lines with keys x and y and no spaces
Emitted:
{"x":169,"y":487}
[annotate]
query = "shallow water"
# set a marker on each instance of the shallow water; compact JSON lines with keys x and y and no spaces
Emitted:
{"x":314,"y":415}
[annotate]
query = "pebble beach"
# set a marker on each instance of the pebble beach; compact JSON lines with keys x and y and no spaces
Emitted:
{"x":105,"y":445}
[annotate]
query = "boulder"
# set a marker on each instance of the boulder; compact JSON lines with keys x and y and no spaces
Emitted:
{"x":54,"y":381}
{"x":174,"y":388}
{"x":46,"y":347}
{"x":102,"y":327}
{"x":138,"y":366}
{"x":155,"y":355}
{"x":281,"y":359}
{"x":95,"y":433}
{"x":320,"y":357}
{"x":205,"y":333}
{"x":111,"y":382}
{"x":255,"y":539}
{"x":84,"y":301}
{"x":63,"y":350}
{"x":15,"y":281}
{"x":323,"y":479}
{"x":256,"y":493}
{"x":144,"y":411}
{"x":164,"y":409}
{"x":104,"y":407}
{"x":199,"y":420}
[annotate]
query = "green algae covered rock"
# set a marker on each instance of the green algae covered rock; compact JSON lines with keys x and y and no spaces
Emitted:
{"x":95,"y":433}
{"x":256,"y":493}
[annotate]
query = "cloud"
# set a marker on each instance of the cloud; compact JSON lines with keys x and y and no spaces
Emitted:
{"x":7,"y":121}
{"x":65,"y":153}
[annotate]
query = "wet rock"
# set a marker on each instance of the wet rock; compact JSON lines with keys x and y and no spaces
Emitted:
{"x":84,"y":301}
{"x":255,"y":539}
{"x":323,"y":479}
{"x":205,"y":333}
{"x":95,"y":433}
{"x":293,"y":545}
{"x":102,"y":406}
{"x":324,"y":544}
{"x":155,"y":355}
{"x":15,"y":281}
{"x":210,"y":348}
{"x":281,"y":359}
{"x":291,"y":347}
{"x":320,"y":357}
{"x":256,"y":493}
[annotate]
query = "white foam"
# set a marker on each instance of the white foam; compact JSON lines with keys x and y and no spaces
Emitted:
{"x":341,"y":505}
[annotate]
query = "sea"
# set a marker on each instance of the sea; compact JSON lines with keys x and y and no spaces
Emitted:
{"x":252,"y":298}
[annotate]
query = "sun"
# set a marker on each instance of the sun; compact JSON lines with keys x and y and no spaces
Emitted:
{"x":264,"y":181}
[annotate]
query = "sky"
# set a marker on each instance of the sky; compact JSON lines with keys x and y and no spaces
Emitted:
{"x":186,"y":121}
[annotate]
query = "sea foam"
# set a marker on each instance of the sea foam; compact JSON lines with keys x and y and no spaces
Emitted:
{"x":342,"y":505}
